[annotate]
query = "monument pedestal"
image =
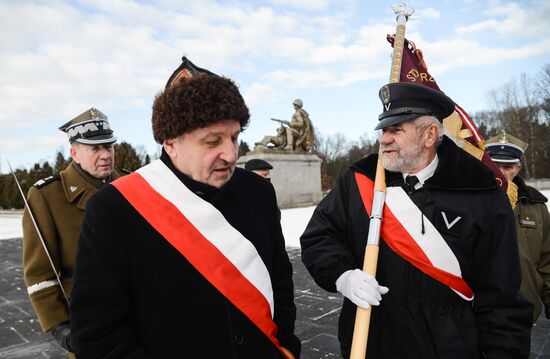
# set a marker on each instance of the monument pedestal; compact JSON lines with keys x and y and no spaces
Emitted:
{"x":296,"y":176}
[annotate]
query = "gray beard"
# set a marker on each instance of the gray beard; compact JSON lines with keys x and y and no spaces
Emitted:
{"x":403,"y":162}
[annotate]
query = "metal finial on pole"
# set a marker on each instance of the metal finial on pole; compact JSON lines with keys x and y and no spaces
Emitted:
{"x":402,"y":10}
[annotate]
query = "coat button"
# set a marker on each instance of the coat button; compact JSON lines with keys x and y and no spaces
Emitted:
{"x":239,"y":339}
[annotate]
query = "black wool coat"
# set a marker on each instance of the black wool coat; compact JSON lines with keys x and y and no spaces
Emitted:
{"x":420,"y":317}
{"x":136,"y":296}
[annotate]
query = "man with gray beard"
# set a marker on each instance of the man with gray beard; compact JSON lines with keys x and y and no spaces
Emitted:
{"x":448,"y":260}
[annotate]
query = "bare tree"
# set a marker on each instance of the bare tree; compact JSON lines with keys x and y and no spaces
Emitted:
{"x":330,"y":147}
{"x":542,"y":86}
{"x":515,"y":108}
{"x":332,"y":150}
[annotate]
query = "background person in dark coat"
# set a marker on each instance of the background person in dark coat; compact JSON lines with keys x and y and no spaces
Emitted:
{"x":458,"y":198}
{"x":57,"y":204}
{"x":136,"y":293}
{"x":532,"y":223}
{"x":259,"y":167}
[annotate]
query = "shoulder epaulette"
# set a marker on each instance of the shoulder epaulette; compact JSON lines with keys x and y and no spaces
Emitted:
{"x":533,"y":195}
{"x":45,"y":181}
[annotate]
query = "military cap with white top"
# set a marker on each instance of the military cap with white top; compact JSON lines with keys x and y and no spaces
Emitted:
{"x":505,"y":148}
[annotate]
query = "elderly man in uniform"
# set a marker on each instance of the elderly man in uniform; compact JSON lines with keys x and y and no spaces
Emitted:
{"x":532,"y":223}
{"x":448,"y":251}
{"x":57,"y":204}
{"x":185,"y":258}
{"x":259,"y":167}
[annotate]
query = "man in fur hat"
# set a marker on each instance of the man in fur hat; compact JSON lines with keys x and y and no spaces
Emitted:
{"x":189,"y":260}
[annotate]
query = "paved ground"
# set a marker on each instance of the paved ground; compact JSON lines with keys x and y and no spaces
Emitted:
{"x":21,"y":338}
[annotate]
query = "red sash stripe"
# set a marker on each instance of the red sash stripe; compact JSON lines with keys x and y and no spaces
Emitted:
{"x":171,"y":224}
{"x":402,"y":243}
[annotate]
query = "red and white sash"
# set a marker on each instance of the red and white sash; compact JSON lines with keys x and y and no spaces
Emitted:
{"x":204,"y":237}
{"x":428,"y":252}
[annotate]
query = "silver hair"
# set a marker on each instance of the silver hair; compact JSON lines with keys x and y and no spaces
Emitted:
{"x":423,"y":122}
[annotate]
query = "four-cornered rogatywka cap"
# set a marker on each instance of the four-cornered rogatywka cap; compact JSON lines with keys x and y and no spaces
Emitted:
{"x":505,"y":148}
{"x":90,"y":128}
{"x":404,"y":101}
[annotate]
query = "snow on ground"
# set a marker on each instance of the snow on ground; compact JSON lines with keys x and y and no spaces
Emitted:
{"x":293,"y":221}
{"x":10,"y":224}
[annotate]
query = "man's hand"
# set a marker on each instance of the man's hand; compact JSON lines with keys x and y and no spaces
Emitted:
{"x":360,"y":287}
{"x":62,"y":333}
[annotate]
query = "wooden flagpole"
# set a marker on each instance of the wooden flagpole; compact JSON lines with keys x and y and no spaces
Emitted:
{"x":370,"y":262}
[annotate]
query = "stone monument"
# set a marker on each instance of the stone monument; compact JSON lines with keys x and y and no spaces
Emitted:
{"x":296,"y":173}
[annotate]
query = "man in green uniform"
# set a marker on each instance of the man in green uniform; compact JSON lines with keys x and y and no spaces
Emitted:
{"x":532,"y":222}
{"x":57,"y":204}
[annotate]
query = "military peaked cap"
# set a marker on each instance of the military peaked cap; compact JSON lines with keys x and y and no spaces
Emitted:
{"x":90,"y":128}
{"x":257,"y":164}
{"x":505,"y":148}
{"x":404,"y":101}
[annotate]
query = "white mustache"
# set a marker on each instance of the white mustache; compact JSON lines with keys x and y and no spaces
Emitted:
{"x":389,"y":148}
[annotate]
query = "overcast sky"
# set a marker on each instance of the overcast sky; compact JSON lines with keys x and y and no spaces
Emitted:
{"x":59,"y":58}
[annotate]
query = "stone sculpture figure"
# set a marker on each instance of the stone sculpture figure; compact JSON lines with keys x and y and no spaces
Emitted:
{"x":278,"y":141}
{"x":296,"y":136}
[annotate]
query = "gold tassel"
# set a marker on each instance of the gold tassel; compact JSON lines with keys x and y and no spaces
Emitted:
{"x":512,"y":193}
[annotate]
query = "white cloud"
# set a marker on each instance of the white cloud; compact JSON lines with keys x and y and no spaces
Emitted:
{"x":260,"y":92}
{"x":44,"y":144}
{"x":429,"y":13}
{"x":60,"y":57}
{"x":323,"y":77}
{"x":446,"y":55}
{"x":72,"y":60}
{"x":512,"y":19}
{"x":69,"y":59}
{"x":302,"y":4}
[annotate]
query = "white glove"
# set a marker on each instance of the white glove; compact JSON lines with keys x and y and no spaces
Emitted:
{"x":360,"y":287}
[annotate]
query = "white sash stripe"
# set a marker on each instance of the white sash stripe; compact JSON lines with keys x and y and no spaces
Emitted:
{"x":431,"y":242}
{"x":213,"y":226}
{"x":42,"y":285}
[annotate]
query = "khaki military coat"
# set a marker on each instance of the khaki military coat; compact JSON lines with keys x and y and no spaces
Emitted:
{"x":533,"y":228}
{"x":57,"y":204}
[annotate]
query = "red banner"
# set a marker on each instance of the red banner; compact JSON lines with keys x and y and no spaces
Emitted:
{"x":414,"y":69}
